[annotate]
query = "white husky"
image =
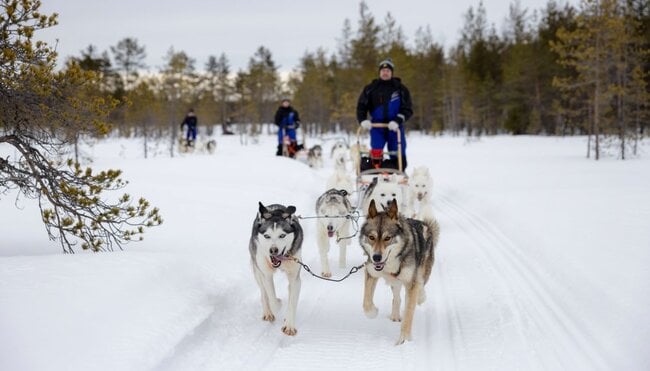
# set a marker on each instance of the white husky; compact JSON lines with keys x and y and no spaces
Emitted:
{"x":333,"y":207}
{"x":420,"y":188}
{"x":340,"y":156}
{"x":385,"y":189}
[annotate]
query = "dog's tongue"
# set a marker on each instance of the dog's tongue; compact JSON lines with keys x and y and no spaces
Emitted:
{"x":330,"y":233}
{"x":275,"y":261}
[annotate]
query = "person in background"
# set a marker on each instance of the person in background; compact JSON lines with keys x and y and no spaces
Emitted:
{"x":288,"y":120}
{"x":191,"y":121}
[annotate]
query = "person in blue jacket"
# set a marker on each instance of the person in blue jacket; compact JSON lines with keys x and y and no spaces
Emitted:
{"x":388,"y":101}
{"x":191,"y":121}
{"x":288,"y":120}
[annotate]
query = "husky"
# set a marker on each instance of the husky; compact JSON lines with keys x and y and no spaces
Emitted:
{"x":420,"y":188}
{"x":211,"y":146}
{"x":185,"y":146}
{"x":276,"y":239}
{"x":339,"y":154}
{"x":340,"y":180}
{"x":315,"y":157}
{"x":332,"y":207}
{"x":401,"y":251}
{"x":338,"y":145}
{"x":383,"y":190}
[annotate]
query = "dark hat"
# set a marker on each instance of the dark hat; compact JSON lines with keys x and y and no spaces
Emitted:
{"x":387,"y":63}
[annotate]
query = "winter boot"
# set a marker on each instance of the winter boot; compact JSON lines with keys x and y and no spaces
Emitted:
{"x":279,"y":151}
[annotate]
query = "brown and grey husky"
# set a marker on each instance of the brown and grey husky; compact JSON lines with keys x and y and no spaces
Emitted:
{"x":401,"y":251}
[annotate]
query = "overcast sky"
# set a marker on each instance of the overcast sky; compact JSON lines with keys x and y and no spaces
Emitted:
{"x":287,"y":27}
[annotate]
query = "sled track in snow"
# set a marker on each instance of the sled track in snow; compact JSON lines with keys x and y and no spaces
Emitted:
{"x":536,"y":310}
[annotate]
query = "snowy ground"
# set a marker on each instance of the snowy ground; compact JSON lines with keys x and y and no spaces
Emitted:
{"x":543,"y":263}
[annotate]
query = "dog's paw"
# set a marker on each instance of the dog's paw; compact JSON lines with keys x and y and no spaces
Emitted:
{"x":402,"y":339}
{"x":395,"y":317}
{"x":371,"y":312}
{"x":290,"y":331}
{"x":326,"y":274}
{"x":268,"y":317}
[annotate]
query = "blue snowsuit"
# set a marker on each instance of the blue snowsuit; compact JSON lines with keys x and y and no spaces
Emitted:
{"x":386,"y":101}
{"x":287,"y":120}
{"x":191,"y":121}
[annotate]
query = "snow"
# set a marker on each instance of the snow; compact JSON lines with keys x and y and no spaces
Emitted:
{"x":543,"y":263}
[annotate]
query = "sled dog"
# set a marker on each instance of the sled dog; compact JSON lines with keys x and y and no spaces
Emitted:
{"x":275,"y":239}
{"x":420,"y":188}
{"x":340,"y":180}
{"x":401,"y":251}
{"x":332,"y":207}
{"x":211,"y":146}
{"x":315,"y":157}
{"x":383,"y":189}
{"x":339,"y":154}
{"x":338,"y":145}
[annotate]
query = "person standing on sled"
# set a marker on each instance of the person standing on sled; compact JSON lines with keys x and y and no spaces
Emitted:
{"x":287,"y":120}
{"x":388,"y":101}
{"x":191,"y":121}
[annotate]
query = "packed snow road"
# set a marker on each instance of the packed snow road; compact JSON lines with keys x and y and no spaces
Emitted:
{"x":524,"y":276}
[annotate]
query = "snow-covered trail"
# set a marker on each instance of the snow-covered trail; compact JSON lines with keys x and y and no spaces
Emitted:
{"x":524,"y":277}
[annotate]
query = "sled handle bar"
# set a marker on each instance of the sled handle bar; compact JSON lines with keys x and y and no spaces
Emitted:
{"x":399,"y":145}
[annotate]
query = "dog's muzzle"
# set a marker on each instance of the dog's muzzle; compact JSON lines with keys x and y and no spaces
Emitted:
{"x":421,"y":196}
{"x":276,"y":257}
{"x":376,"y":261}
{"x":330,"y":230}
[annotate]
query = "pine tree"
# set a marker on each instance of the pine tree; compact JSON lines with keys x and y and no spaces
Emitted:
{"x":39,"y":110}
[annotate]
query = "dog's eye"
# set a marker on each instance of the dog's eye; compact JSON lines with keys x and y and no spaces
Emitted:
{"x":371,"y":238}
{"x":387,"y":238}
{"x":267,"y":236}
{"x":283,"y":235}
{"x":383,"y":195}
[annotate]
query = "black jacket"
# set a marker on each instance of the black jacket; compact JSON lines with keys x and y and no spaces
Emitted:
{"x":378,"y":94}
{"x":190,"y":121}
{"x":283,"y":113}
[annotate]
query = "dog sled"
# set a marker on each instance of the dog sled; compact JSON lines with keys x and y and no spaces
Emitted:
{"x":371,"y":171}
{"x":291,"y":148}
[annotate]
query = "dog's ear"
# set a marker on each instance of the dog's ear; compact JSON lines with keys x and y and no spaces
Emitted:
{"x":290,"y":211}
{"x":372,"y":210}
{"x":343,"y":192}
{"x":264,"y":212}
{"x":392,"y":209}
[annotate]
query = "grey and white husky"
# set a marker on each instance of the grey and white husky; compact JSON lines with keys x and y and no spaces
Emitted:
{"x":276,"y":238}
{"x":332,"y":207}
{"x":401,"y":251}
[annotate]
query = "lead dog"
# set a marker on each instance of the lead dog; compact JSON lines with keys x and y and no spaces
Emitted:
{"x":332,"y":208}
{"x":401,"y":251}
{"x":276,"y":238}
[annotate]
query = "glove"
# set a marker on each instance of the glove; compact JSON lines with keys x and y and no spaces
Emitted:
{"x":394,"y":126}
{"x":366,"y":124}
